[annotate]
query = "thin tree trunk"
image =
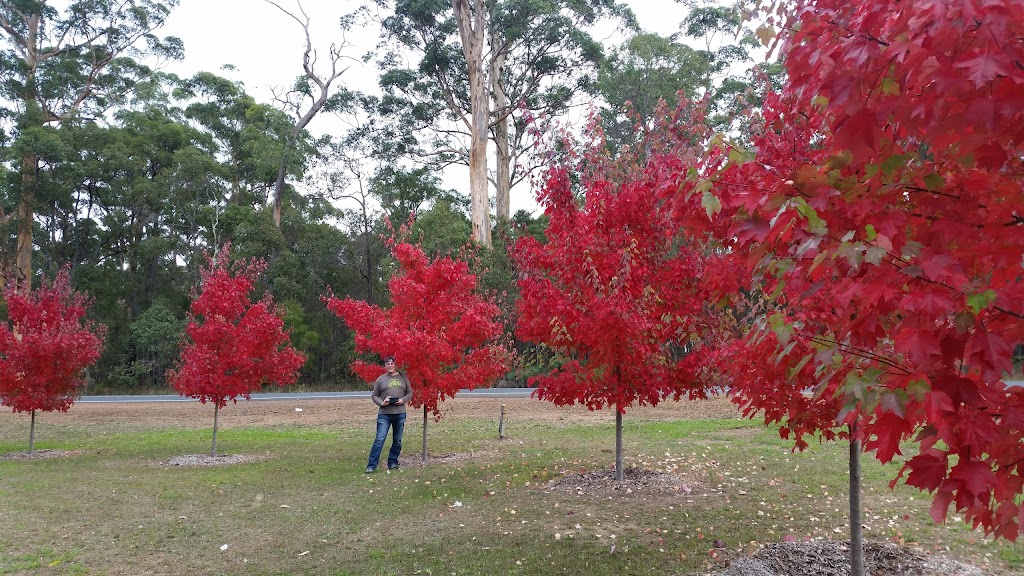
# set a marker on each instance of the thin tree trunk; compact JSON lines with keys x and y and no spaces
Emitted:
{"x":618,"y":446}
{"x":216,"y":413}
{"x":503,"y":172}
{"x":279,"y":183}
{"x":32,"y":436}
{"x":424,"y":457}
{"x":369,"y":261}
{"x":856,"y":526}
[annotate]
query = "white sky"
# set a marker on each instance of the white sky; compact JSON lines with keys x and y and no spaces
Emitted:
{"x":265,"y":46}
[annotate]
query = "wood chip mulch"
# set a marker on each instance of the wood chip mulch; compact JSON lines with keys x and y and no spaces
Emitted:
{"x":39,"y":454}
{"x":832,"y":558}
{"x":201,"y":460}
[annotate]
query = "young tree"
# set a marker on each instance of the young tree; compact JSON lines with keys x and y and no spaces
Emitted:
{"x":616,"y":290}
{"x":883,"y":198}
{"x":444,"y":333}
{"x":45,"y":347}
{"x":235,"y":345}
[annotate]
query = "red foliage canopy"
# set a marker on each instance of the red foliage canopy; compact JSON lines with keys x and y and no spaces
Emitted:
{"x":615,"y":290}
{"x":235,"y":345}
{"x":441,"y":330}
{"x":45,"y":346}
{"x":883,"y":203}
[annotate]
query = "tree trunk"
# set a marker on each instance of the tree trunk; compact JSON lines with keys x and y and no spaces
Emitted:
{"x":279,"y":183}
{"x":25,"y":215}
{"x":424,"y":457}
{"x":503,"y":172}
{"x":216,"y":413}
{"x":32,"y":436}
{"x":366,"y":249}
{"x":618,"y":446}
{"x":471,"y":31}
{"x":856,"y":526}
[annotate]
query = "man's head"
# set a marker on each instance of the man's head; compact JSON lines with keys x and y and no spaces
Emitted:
{"x":389,"y":363}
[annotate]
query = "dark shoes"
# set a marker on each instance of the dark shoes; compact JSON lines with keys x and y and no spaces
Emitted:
{"x":370,"y":469}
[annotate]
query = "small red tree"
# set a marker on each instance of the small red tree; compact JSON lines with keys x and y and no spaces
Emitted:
{"x":45,"y":347}
{"x":443,"y":332}
{"x":615,"y":290}
{"x":235,"y":346}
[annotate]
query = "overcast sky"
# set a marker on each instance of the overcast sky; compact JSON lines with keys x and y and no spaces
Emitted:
{"x":265,"y":46}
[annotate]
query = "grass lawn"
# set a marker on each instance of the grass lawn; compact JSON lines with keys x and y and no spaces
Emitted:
{"x":305,"y":506}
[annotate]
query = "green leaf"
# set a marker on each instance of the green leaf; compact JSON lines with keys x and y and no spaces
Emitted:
{"x":890,"y":87}
{"x":874,"y":255}
{"x":783,"y":331}
{"x":890,"y":164}
{"x":711,"y":204}
{"x":934,"y":182}
{"x":981,"y":300}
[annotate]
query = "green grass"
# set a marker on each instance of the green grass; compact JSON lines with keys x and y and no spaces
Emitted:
{"x":307,"y":508}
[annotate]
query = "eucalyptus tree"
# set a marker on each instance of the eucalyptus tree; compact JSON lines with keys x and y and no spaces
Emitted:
{"x":247,"y":135}
{"x":312,"y":91}
{"x":711,"y":56}
{"x":63,"y":65}
{"x":482,"y":69}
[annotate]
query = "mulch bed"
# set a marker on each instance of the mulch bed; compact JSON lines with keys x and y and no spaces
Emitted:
{"x":416,"y":460}
{"x":202,"y":460}
{"x":832,"y":558}
{"x":39,"y":454}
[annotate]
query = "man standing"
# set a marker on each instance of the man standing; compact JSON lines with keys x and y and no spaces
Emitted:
{"x":391,"y":391}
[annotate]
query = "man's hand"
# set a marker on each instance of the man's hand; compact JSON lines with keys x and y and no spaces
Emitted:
{"x":398,"y":401}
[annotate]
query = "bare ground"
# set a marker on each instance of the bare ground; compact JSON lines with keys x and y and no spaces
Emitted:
{"x":344,"y":412}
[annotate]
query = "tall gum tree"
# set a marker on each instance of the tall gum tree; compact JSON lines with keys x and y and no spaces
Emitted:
{"x":61,"y":65}
{"x":486,"y":67}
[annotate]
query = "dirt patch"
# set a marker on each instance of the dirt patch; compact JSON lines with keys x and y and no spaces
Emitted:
{"x":635,"y":480}
{"x":832,"y":558}
{"x":355,"y":412}
{"x":415,"y":461}
{"x":201,"y":460}
{"x":38,"y":454}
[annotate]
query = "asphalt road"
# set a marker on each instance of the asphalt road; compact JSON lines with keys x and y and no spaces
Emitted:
{"x":482,"y":393}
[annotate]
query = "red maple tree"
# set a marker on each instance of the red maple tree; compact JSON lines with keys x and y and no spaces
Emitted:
{"x":615,"y":289}
{"x":442,"y":330}
{"x":882,"y":202}
{"x":235,"y":346}
{"x":45,"y":347}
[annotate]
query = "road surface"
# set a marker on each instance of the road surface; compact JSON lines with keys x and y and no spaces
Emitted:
{"x":127,"y":399}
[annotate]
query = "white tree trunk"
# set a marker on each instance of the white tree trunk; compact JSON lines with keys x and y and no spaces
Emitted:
{"x":471,"y":20}
{"x":503,"y":172}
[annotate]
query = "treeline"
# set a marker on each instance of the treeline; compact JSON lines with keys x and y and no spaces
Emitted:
{"x":131,"y":175}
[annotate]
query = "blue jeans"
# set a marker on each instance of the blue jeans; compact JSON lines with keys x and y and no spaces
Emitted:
{"x":397,"y":424}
